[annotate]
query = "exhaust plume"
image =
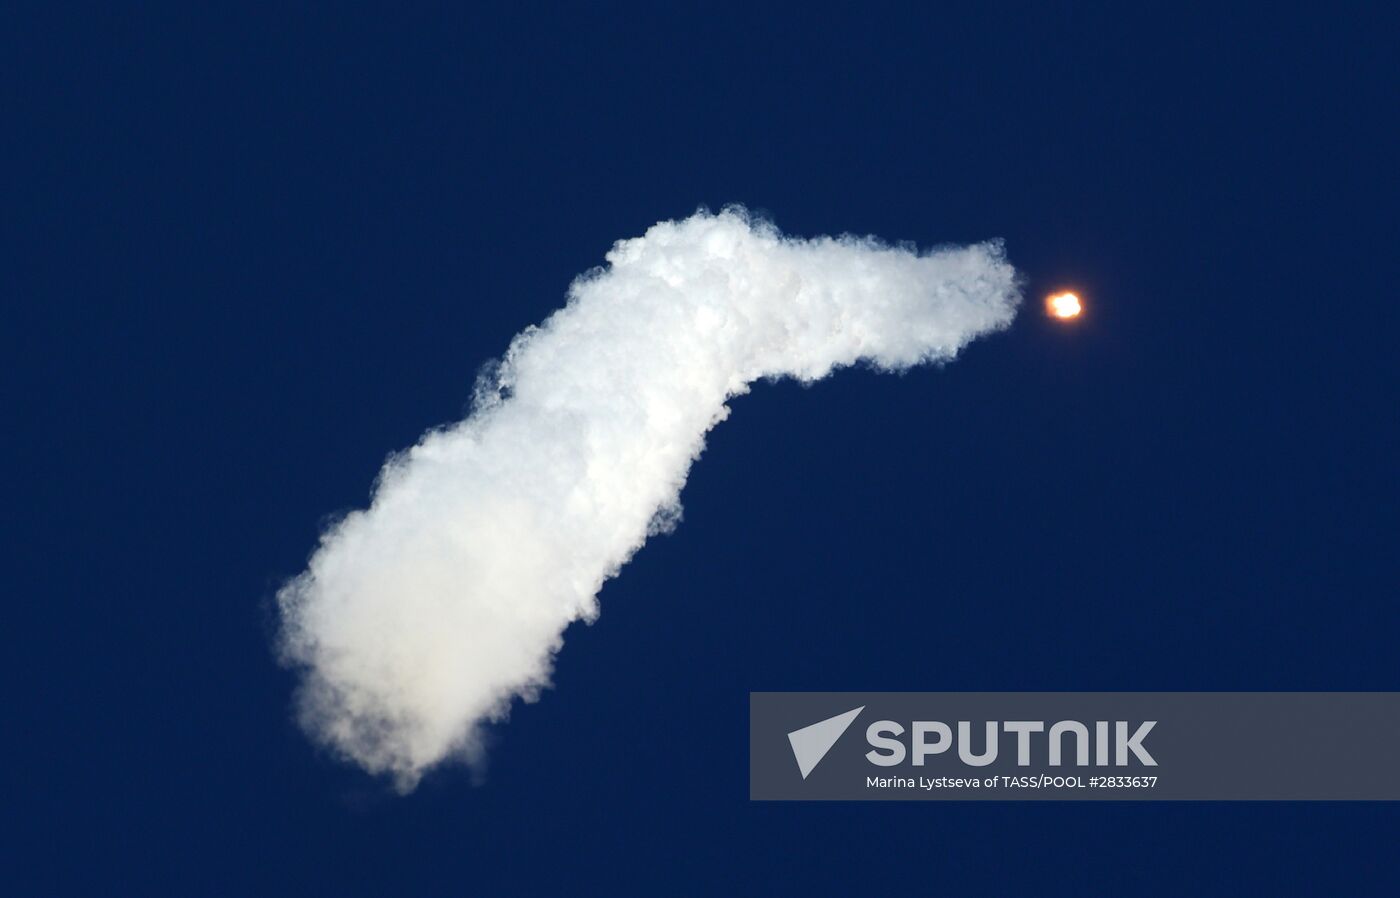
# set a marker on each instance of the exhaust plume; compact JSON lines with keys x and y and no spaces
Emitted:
{"x":423,"y":617}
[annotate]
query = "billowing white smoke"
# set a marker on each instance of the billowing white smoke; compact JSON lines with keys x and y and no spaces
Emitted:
{"x":426,"y":615}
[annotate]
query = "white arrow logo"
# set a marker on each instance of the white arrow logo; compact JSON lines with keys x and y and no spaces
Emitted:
{"x":811,"y":743}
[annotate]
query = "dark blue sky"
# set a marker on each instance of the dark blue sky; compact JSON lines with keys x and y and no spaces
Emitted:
{"x":248,"y":254}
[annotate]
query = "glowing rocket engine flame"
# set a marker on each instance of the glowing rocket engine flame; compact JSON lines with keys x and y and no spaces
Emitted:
{"x":1064,"y":305}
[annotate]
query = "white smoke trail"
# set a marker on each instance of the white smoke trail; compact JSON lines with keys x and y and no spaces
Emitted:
{"x":426,"y":615}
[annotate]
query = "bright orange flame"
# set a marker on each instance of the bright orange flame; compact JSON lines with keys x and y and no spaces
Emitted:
{"x":1064,"y":305}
